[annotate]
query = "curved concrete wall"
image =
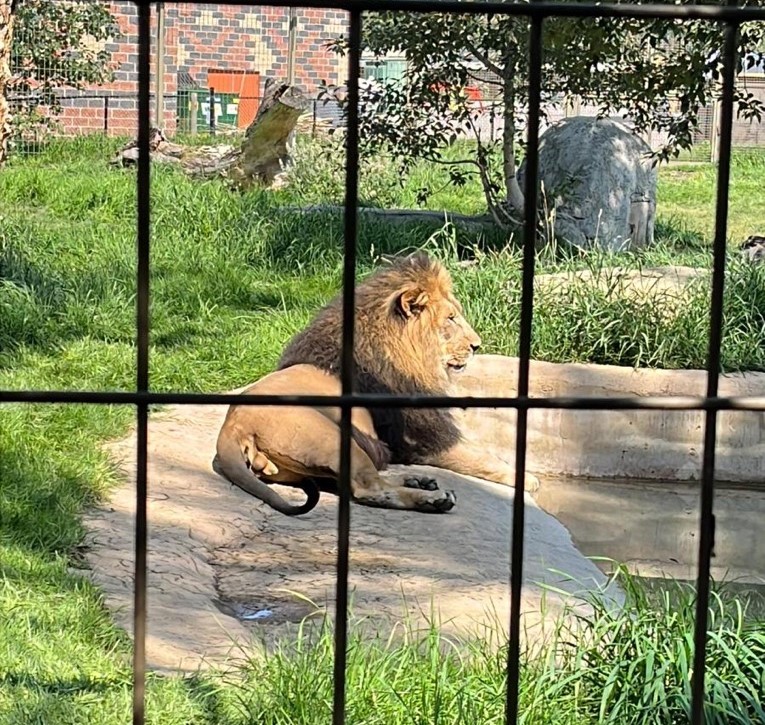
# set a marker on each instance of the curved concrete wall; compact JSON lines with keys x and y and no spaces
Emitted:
{"x":657,"y":445}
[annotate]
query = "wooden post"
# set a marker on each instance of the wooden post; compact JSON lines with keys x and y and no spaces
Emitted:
{"x":7,"y":8}
{"x":292,"y":45}
{"x":193,"y":110}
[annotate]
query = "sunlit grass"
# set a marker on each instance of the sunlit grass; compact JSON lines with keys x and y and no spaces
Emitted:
{"x":233,"y":277}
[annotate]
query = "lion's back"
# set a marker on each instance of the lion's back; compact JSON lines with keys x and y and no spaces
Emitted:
{"x":318,"y":344}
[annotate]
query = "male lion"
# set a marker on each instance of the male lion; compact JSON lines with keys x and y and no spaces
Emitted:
{"x":410,"y":338}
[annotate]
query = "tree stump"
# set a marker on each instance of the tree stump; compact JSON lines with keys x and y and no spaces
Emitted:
{"x":266,"y":151}
{"x":262,"y":157}
{"x":753,"y":248}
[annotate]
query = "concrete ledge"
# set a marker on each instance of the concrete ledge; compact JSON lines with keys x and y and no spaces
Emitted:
{"x":652,"y":445}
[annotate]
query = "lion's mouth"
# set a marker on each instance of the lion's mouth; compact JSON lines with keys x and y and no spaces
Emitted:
{"x":455,"y":367}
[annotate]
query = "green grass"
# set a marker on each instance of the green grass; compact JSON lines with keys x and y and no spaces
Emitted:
{"x":687,"y":193}
{"x":232,"y":279}
{"x":628,"y":667}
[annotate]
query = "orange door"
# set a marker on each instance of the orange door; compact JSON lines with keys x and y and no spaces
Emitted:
{"x":244,"y":84}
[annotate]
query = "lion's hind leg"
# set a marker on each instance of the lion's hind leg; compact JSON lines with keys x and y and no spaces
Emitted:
{"x":319,"y":455}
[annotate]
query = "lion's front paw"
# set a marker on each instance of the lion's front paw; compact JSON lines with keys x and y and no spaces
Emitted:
{"x":424,"y":483}
{"x":438,"y":501}
{"x":427,"y":496}
{"x":448,"y":502}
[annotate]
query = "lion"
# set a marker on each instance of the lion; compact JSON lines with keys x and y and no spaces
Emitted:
{"x":410,"y":338}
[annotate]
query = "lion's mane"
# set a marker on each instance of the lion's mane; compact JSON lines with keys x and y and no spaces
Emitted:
{"x":393,"y":354}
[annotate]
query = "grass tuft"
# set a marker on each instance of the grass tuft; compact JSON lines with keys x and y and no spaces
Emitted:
{"x":233,"y":277}
{"x":627,"y":667}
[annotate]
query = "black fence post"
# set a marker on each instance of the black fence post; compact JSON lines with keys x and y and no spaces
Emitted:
{"x":106,"y":115}
{"x":212,"y":111}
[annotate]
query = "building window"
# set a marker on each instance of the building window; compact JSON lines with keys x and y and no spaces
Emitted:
{"x":384,"y":69}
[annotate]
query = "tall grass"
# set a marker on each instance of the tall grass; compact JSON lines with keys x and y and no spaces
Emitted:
{"x":627,"y":667}
{"x":233,"y":277}
{"x":599,"y":318}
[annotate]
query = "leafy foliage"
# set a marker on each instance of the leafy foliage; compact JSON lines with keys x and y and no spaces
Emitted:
{"x":660,"y":72}
{"x":56,"y":45}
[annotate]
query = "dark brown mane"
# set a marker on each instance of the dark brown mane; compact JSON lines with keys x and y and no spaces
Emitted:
{"x":411,"y":434}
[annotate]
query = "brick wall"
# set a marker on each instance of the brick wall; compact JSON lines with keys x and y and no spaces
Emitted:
{"x":200,"y":37}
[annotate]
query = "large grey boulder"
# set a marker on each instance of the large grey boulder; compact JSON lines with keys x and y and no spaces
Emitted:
{"x":601,"y":182}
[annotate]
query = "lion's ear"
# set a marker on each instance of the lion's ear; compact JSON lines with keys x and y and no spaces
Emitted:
{"x":412,"y":301}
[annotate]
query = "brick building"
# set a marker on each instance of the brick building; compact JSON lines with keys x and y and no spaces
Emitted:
{"x":231,"y":48}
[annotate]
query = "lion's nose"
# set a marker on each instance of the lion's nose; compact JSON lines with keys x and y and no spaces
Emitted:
{"x":475,"y":345}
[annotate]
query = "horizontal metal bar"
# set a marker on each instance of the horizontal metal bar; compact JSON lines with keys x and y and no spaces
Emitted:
{"x":754,"y":403}
{"x":532,"y":10}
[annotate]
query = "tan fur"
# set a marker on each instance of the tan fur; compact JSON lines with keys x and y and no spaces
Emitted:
{"x":410,"y":337}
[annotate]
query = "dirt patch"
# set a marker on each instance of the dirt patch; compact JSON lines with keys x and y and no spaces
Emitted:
{"x":218,"y":559}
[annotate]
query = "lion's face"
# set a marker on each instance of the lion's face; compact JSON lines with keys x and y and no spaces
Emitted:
{"x":436,"y":322}
{"x":458,"y":339}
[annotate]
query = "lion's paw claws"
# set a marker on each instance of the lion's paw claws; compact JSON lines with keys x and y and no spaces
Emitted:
{"x":423,"y":483}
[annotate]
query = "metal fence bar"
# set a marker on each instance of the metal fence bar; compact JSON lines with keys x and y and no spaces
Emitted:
{"x":143,"y":196}
{"x":212,"y":120}
{"x":531,"y":10}
{"x":347,"y":369}
{"x":707,"y":520}
{"x":524,"y":363}
{"x":753,"y":403}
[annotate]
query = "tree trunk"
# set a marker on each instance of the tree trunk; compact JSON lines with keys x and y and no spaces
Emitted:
{"x":514,"y":196}
{"x":261,"y":159}
{"x":7,"y":8}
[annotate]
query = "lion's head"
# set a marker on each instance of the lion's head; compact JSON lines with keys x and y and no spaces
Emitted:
{"x":410,"y":330}
{"x":410,"y":337}
{"x":408,"y":316}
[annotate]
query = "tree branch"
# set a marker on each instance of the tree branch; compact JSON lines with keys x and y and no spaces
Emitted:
{"x":483,"y":58}
{"x":484,"y":80}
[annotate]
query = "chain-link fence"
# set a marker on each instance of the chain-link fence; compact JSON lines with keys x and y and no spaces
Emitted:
{"x":209,"y":67}
{"x":215,"y":57}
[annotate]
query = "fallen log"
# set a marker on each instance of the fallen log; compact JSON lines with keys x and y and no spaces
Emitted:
{"x":468,"y":222}
{"x":262,"y":157}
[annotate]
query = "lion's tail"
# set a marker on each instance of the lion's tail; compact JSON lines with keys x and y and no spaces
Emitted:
{"x":238,"y":463}
{"x":376,"y":449}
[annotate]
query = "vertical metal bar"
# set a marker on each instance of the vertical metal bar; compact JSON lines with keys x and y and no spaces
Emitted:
{"x":707,"y":522}
{"x":159,"y":102}
{"x":212,"y":111}
{"x":142,"y":359}
{"x":106,"y":115}
{"x":347,"y":372}
{"x":524,"y":354}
